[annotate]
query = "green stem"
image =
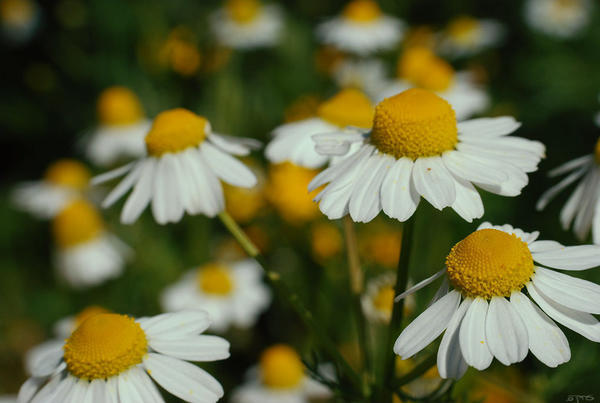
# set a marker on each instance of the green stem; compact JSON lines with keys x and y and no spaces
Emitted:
{"x":293,"y":299}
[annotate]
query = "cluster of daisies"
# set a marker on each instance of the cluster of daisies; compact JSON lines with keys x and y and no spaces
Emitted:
{"x":378,"y":144}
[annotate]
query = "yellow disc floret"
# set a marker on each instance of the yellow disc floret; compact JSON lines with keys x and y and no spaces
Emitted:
{"x":69,"y":173}
{"x":463,"y":29}
{"x":349,"y":107}
{"x":489,"y":263}
{"x":415,"y":123}
{"x":215,"y":278}
{"x":362,"y":11}
{"x":105,"y":345}
{"x":281,"y":367}
{"x":242,"y":11}
{"x":77,"y":223}
{"x":118,"y":106}
{"x":87,"y":313}
{"x":175,"y":130}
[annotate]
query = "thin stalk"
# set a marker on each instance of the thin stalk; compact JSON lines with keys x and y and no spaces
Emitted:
{"x":293,"y":299}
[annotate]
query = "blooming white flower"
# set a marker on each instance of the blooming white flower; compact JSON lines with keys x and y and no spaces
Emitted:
{"x":378,"y":301}
{"x":232,"y":293}
{"x":111,"y":358}
{"x":182,"y":170}
{"x":559,"y":18}
{"x":361,"y":29}
{"x":86,"y":253}
{"x":416,"y":148}
{"x":465,"y":36}
{"x":122,"y":128}
{"x":247,"y":24}
{"x":488,"y":271}
{"x":420,"y":67}
{"x":64,"y":181}
{"x":280,"y":378}
{"x":293,"y":141}
{"x":367,"y":75}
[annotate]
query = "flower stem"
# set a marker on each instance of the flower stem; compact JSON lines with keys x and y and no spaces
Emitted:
{"x":293,"y":299}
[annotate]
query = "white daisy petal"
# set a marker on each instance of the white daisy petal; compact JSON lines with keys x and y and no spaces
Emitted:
{"x":115,"y":173}
{"x":228,"y":168}
{"x":420,"y":285}
{"x":123,"y":186}
{"x":365,"y":202}
{"x":427,"y":326}
{"x":126,"y":386}
{"x":571,"y":165}
{"x":336,"y":143}
{"x":193,"y":348}
{"x":505,"y":332}
{"x":546,"y":341}
{"x":31,"y":386}
{"x":473,"y":343}
{"x":589,"y":199}
{"x":581,"y":257}
{"x":488,"y":127}
{"x":142,"y":193}
{"x":144,"y":386}
{"x":433,"y":181}
{"x":176,"y":324}
{"x":339,"y":170}
{"x":166,"y":204}
{"x":468,"y":203}
{"x":474,"y":168}
{"x":450,"y":362}
{"x":95,"y":392}
{"x":568,"y":291}
{"x":549,"y":194}
{"x":59,"y":394}
{"x":234,"y":145}
{"x":399,"y":198}
{"x":544,"y":246}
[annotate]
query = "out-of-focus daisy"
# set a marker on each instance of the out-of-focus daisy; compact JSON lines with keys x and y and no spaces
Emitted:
{"x":111,"y":358}
{"x":420,"y":67}
{"x":231,"y":292}
{"x":247,"y":24}
{"x":362,"y":28}
{"x":279,"y":378}
{"x":378,"y":301}
{"x":488,"y":271}
{"x":326,"y":240}
{"x":86,"y":254}
{"x":416,"y":148}
{"x":19,"y":19}
{"x":182,"y":170}
{"x":367,"y":75}
{"x":559,"y":18}
{"x":180,"y":52}
{"x":64,"y":181}
{"x":293,"y":141}
{"x":244,"y":204}
{"x":286,"y":192}
{"x":582,"y":207}
{"x":466,"y":35}
{"x":380,"y":244}
{"x":121,"y":130}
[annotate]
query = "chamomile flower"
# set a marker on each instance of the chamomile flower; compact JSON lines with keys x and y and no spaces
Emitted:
{"x":466,"y":36}
{"x":582,"y":207}
{"x":247,"y":24}
{"x":367,"y":75}
{"x":232,"y":293}
{"x":19,"y":19}
{"x":558,"y":18}
{"x":420,"y":67}
{"x":293,"y":141}
{"x":121,"y":130}
{"x":181,"y":171}
{"x":362,"y":29}
{"x":279,"y":378}
{"x":86,"y":253}
{"x":64,"y":181}
{"x":378,"y":301}
{"x":488,"y":270}
{"x":416,"y":148}
{"x":112,"y":358}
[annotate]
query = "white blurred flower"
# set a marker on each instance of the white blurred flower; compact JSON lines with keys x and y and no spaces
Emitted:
{"x":559,"y":18}
{"x":466,"y":36}
{"x":378,"y":301}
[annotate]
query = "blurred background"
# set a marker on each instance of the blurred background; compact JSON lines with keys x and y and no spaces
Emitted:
{"x":58,"y":56}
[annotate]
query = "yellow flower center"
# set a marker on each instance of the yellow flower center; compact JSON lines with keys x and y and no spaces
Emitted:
{"x":423,"y":68}
{"x":384,"y":299}
{"x":489,"y":263}
{"x":349,"y":107}
{"x":281,"y":367}
{"x":69,"y":173}
{"x":118,"y":106}
{"x":87,"y":313}
{"x":105,"y":345}
{"x":16,"y":11}
{"x":214,"y":278}
{"x":463,"y":29}
{"x":77,"y":223}
{"x":415,"y":123}
{"x":242,"y":11}
{"x":362,"y":11}
{"x":597,"y":152}
{"x":175,"y":130}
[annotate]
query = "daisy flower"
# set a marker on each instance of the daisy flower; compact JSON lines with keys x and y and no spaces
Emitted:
{"x":181,"y":171}
{"x":64,"y":181}
{"x":279,"y":378}
{"x":581,"y":208}
{"x":488,"y":270}
{"x":420,"y":67}
{"x":112,"y":358}
{"x":367,"y":75}
{"x":378,"y":301}
{"x":86,"y":254}
{"x":232,"y":293}
{"x":122,"y":127}
{"x":466,"y":36}
{"x":558,"y":18}
{"x":416,"y":148}
{"x":19,"y":19}
{"x":293,"y":141}
{"x":362,"y":29}
{"x":247,"y":24}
